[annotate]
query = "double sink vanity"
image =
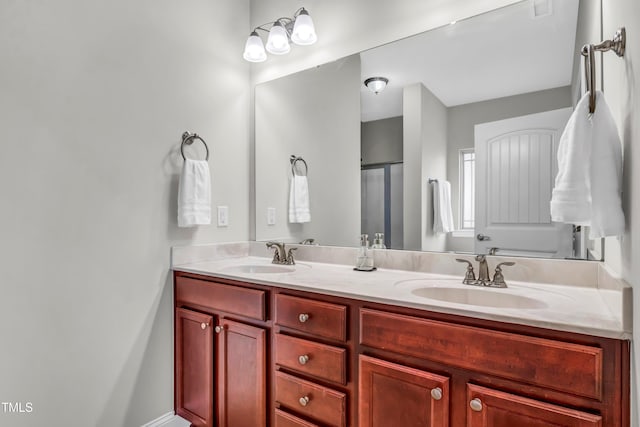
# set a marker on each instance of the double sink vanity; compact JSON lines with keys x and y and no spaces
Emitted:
{"x":319,"y":344}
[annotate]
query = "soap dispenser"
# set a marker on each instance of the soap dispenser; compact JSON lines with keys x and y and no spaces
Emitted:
{"x":364,"y":261}
{"x":378,"y":241}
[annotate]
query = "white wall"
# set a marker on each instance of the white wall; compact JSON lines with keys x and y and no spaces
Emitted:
{"x":424,"y":145}
{"x":381,"y":141}
{"x":589,"y":28}
{"x":94,"y":98}
{"x":622,"y":91}
{"x":328,"y":138}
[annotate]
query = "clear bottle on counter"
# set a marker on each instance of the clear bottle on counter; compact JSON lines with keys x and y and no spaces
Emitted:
{"x":364,"y":261}
{"x":378,"y":241}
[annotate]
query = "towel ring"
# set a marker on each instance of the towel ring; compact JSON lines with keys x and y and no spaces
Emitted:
{"x":187,"y":138}
{"x":295,"y":159}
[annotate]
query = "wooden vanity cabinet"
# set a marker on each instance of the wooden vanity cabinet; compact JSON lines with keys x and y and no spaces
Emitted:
{"x":220,"y":354}
{"x":257,"y":356}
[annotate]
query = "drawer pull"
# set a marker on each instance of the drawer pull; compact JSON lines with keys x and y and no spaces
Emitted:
{"x":304,"y":400}
{"x":476,"y":404}
{"x":203,"y":326}
{"x":219,"y":329}
{"x":303,"y":359}
{"x":303,"y":317}
{"x":436,"y":393}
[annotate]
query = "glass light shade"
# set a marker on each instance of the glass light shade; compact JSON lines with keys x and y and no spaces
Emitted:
{"x":304,"y":33}
{"x":278,"y":41}
{"x":376,"y":84}
{"x":254,"y":49}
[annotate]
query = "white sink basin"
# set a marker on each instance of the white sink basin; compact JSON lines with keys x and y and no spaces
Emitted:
{"x":479,"y":296}
{"x":453,"y":291}
{"x":259,"y":269}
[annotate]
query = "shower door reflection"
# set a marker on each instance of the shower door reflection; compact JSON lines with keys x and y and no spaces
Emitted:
{"x":381,"y":207}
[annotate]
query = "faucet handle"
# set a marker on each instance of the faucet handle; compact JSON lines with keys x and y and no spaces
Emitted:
{"x":498,"y":277}
{"x":507,"y":263}
{"x":470,"y":275}
{"x":290,"y":259}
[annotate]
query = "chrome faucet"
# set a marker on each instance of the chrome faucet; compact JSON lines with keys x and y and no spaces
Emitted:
{"x":483,"y":273}
{"x":483,"y":270}
{"x":280,"y":255}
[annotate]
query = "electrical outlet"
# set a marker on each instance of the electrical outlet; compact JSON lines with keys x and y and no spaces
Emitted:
{"x":223,"y":216}
{"x":271,"y":216}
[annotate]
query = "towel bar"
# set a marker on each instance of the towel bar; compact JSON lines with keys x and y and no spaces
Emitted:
{"x":295,"y":159}
{"x":188,"y":138}
{"x":617,"y":44}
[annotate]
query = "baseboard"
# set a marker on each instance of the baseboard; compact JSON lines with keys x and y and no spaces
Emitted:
{"x":170,"y":419}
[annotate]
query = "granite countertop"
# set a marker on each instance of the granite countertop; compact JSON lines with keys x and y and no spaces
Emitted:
{"x":586,"y":310}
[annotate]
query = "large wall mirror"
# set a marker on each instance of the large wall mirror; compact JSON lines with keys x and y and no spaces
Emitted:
{"x":479,"y":104}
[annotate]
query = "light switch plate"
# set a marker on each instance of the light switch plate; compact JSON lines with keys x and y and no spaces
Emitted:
{"x":271,"y":216}
{"x":223,"y":216}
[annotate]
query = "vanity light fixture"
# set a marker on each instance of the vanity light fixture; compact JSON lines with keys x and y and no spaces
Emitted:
{"x":299,"y":30}
{"x":376,"y":84}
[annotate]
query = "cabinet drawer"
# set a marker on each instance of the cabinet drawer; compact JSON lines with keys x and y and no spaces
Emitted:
{"x":321,"y":403}
{"x":313,"y":317}
{"x":319,"y":360}
{"x":218,"y":296}
{"x":556,"y":365}
{"x":284,"y":419}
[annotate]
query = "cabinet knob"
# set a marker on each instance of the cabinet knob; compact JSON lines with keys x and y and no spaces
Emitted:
{"x":303,"y":317}
{"x":219,"y":329}
{"x":303,"y":359}
{"x":203,"y":326}
{"x":304,"y":400}
{"x":476,"y":404}
{"x":436,"y":393}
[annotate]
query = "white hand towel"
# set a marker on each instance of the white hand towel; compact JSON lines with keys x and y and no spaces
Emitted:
{"x":588,"y":184}
{"x":299,"y":211}
{"x":442,"y":214}
{"x":194,"y":194}
{"x":571,"y":196}
{"x":607,"y":218}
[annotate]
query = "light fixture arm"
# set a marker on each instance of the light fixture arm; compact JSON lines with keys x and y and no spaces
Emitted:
{"x":287,"y":24}
{"x":285,"y":21}
{"x":298,"y":12}
{"x":262,"y":27}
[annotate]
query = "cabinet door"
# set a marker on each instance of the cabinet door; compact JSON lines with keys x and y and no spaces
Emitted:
{"x":194,"y":367}
{"x":242,"y":375}
{"x":396,"y":395}
{"x":492,"y":408}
